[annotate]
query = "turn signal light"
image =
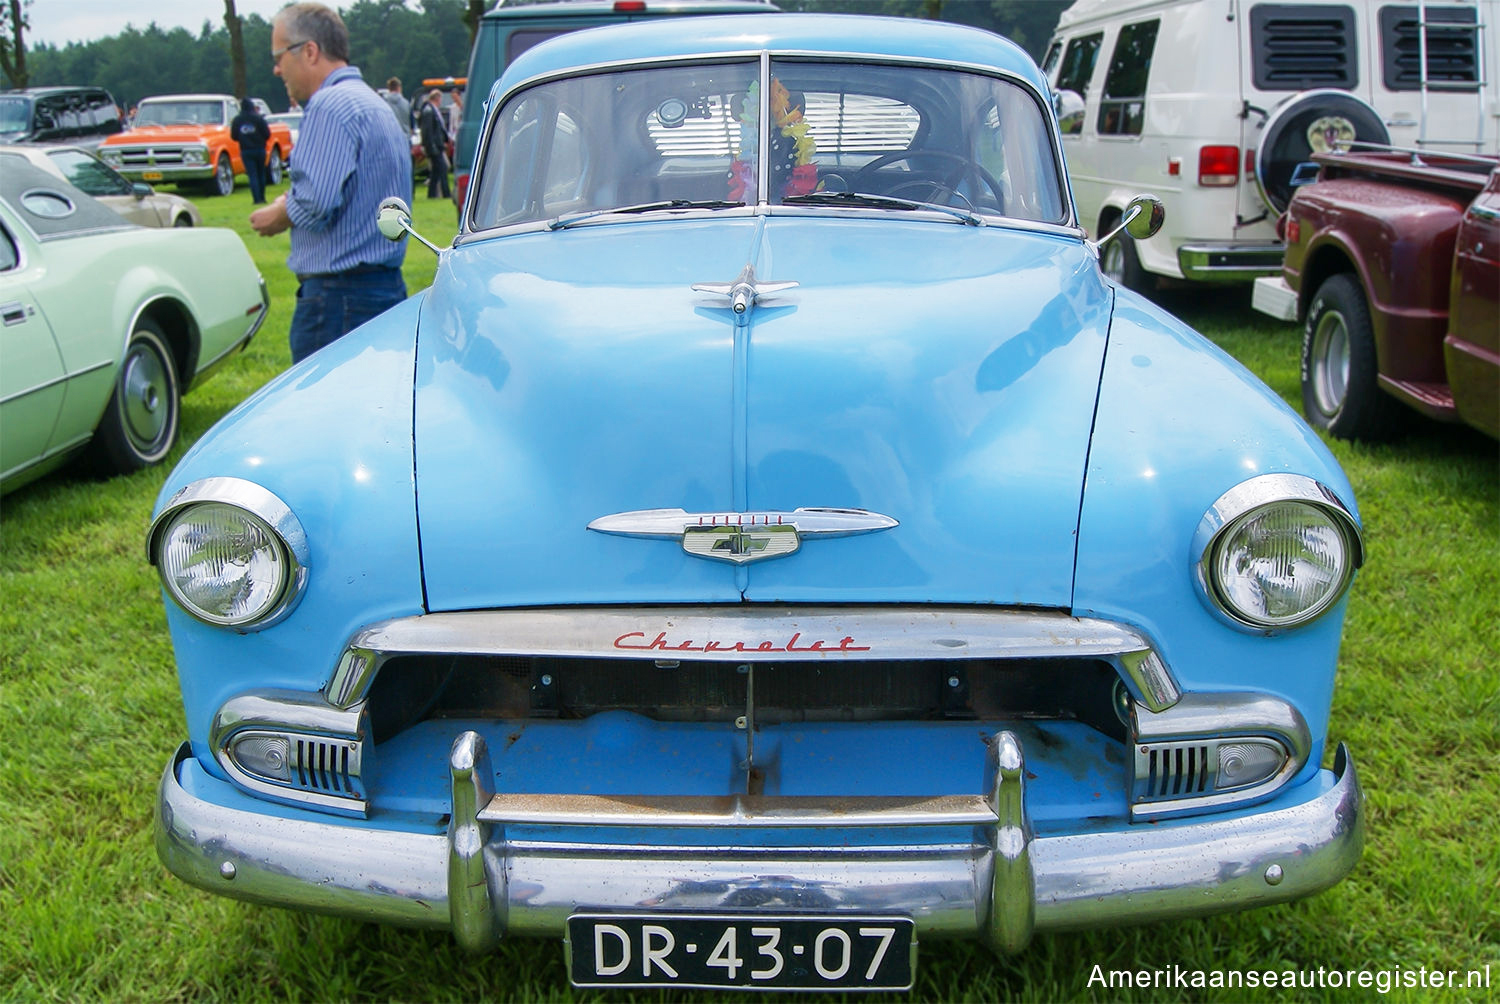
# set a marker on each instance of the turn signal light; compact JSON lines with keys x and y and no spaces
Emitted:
{"x":1218,"y":166}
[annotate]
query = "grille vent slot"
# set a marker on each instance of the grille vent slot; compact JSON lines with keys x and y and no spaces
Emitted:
{"x":1178,"y":769}
{"x":324,"y":766}
{"x":1452,"y":48}
{"x":1296,"y":46}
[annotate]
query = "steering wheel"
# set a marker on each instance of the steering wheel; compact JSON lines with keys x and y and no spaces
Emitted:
{"x":938,"y":191}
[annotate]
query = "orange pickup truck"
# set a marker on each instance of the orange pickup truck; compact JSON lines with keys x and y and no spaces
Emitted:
{"x":184,"y":138}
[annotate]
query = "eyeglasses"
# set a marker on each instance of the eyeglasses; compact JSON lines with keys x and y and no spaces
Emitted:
{"x":276,"y":54}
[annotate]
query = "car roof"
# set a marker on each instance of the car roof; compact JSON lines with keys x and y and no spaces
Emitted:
{"x":21,"y":181}
{"x":37,"y":92}
{"x":803,"y":34}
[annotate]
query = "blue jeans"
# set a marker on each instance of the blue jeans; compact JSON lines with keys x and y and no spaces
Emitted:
{"x":330,"y":306}
{"x":256,"y":172}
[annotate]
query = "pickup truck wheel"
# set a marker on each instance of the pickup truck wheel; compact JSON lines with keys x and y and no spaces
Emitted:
{"x":223,"y":183}
{"x":139,"y":426}
{"x":1340,"y":389}
{"x":273,"y":167}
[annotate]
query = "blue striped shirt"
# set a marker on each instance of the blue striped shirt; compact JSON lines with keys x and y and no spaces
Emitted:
{"x":350,"y":155}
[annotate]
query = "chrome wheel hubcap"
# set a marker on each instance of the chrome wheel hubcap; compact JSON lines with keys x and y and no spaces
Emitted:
{"x":145,"y":388}
{"x":1330,"y":363}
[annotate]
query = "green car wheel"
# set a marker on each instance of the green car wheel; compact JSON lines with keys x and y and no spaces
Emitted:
{"x":139,"y":426}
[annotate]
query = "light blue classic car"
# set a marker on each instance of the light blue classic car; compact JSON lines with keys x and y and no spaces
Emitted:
{"x":769,"y":543}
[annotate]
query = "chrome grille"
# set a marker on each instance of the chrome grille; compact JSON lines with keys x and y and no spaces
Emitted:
{"x":148,"y":156}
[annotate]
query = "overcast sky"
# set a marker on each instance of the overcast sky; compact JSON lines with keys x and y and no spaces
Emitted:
{"x":58,"y":22}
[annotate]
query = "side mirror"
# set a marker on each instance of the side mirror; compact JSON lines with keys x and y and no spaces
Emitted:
{"x":1069,"y":108}
{"x":1143,"y":217}
{"x":140,"y":190}
{"x":393,"y":219}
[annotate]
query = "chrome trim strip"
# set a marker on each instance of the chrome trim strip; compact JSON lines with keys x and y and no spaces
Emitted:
{"x":731,"y":633}
{"x":1250,"y":495}
{"x":809,"y":521}
{"x":57,"y":380}
{"x":1178,"y":868}
{"x":738,"y":811}
{"x":263,"y":504}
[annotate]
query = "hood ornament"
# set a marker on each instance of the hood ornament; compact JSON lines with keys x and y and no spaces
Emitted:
{"x":742,"y":537}
{"x":744,"y":292}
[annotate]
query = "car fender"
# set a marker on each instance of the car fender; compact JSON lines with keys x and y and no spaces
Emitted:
{"x":357,"y":508}
{"x":1178,"y":424}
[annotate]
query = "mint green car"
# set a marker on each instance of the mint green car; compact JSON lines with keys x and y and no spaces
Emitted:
{"x":105,"y":324}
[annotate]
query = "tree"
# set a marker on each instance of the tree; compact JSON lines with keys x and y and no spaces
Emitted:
{"x":473,"y":11}
{"x":236,"y":47}
{"x":13,"y":25}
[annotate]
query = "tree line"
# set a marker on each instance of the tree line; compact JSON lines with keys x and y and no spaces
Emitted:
{"x":430,"y":38}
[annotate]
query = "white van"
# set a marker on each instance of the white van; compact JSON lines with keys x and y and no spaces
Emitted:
{"x":1211,"y":104}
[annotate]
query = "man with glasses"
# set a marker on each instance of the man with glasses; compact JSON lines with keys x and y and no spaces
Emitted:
{"x":350,"y":156}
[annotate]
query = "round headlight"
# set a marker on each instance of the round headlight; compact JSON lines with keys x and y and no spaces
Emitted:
{"x":1277,"y":562}
{"x":230,"y":553}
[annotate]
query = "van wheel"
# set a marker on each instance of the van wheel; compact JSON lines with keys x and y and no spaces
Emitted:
{"x":223,"y":183}
{"x":1340,"y":387}
{"x":1122,"y":265}
{"x":273,"y":167}
{"x":139,"y":426}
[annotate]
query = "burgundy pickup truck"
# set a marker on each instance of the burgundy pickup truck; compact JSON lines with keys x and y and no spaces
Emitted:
{"x":1393,"y":264}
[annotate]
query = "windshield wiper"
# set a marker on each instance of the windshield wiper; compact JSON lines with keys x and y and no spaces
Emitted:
{"x":867,"y":200}
{"x":569,"y":219}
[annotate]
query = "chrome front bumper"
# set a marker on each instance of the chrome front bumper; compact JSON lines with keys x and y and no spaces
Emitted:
{"x":1230,"y":262}
{"x":999,"y":886}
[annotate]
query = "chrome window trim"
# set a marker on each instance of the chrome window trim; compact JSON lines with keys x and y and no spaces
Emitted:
{"x":787,"y":633}
{"x":764,"y":57}
{"x":1249,"y":495}
{"x":261,"y":503}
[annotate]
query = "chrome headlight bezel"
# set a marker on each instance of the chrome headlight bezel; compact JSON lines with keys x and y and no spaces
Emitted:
{"x":259,"y":508}
{"x":195,"y":155}
{"x":114,"y":158}
{"x":1244,"y":502}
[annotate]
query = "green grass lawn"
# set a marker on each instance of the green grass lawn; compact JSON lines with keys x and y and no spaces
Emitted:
{"x":89,"y":713}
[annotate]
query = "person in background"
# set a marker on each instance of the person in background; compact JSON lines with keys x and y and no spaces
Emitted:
{"x":398,"y":103}
{"x":455,"y":119}
{"x":435,"y":144}
{"x":252,"y":133}
{"x":351,"y":156}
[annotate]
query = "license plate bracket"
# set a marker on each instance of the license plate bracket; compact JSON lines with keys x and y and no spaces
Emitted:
{"x":741,"y":951}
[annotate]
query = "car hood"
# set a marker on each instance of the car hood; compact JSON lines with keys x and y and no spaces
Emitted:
{"x":160,"y":134}
{"x":941,"y":375}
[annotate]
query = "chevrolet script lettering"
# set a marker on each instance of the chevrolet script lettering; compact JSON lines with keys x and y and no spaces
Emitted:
{"x":741,"y":537}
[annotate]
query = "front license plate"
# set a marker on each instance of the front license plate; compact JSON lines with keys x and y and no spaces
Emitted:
{"x":150,"y":175}
{"x":708,"y":951}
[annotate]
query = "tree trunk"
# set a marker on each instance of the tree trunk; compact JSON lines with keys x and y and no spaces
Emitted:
{"x":13,"y":48}
{"x":473,"y":11}
{"x":236,"y":48}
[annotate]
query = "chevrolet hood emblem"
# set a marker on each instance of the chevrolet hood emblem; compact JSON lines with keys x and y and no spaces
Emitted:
{"x":741,"y":537}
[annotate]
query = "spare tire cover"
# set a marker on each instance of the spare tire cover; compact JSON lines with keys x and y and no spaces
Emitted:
{"x":1308,"y":123}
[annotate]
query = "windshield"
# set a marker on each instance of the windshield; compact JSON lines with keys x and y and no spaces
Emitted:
{"x":165,"y":113}
{"x":870,"y":136}
{"x":15,"y":115}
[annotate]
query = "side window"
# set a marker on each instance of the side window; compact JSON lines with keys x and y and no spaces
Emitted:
{"x":1078,"y":64}
{"x":1122,"y":107}
{"x":1050,"y":63}
{"x":47,"y":122}
{"x":89,"y":175}
{"x":9,"y":256}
